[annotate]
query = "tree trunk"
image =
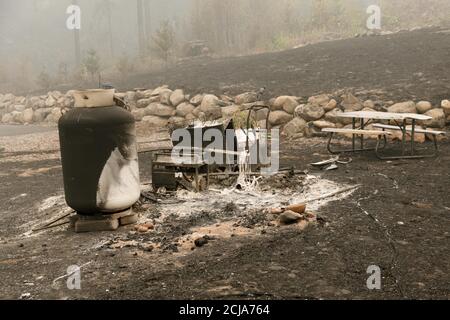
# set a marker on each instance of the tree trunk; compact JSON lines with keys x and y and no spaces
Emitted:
{"x":141,"y":32}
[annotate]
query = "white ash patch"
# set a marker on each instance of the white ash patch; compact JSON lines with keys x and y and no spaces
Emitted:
{"x":52,"y":202}
{"x":190,"y":203}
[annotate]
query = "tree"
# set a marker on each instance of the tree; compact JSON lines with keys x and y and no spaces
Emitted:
{"x":141,"y":29}
{"x":124,"y":66}
{"x":92,"y":63}
{"x":164,"y":41}
{"x":44,"y":80}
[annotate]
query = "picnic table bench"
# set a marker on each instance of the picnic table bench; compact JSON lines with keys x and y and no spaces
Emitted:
{"x":400,"y":119}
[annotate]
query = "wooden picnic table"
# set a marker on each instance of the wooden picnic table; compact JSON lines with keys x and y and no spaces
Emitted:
{"x":401,"y":120}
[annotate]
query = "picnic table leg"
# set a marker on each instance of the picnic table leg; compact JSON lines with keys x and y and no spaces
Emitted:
{"x":354,"y":136}
{"x":403,"y":137}
{"x":197,"y":183}
{"x":362,"y":137}
{"x":413,"y":130}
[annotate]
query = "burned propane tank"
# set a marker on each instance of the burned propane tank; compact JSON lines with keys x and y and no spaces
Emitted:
{"x":99,"y":154}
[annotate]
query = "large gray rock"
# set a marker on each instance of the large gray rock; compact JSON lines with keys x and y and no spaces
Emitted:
{"x":424,"y":106}
{"x":197,"y":100}
{"x":247,"y":97}
{"x":279,"y":117}
{"x":438,"y":120}
{"x":184,"y":109}
{"x":285,"y":103}
{"x":208,"y":102}
{"x":294,"y":127}
{"x":310,"y":112}
{"x":177,"y":97}
{"x":155,"y":121}
{"x":351,"y":103}
{"x":403,"y":107}
{"x":160,"y":110}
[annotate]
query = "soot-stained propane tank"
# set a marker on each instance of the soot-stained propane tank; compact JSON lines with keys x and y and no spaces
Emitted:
{"x":99,"y":155}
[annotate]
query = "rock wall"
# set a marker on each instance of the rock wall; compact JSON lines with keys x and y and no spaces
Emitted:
{"x":161,"y":107}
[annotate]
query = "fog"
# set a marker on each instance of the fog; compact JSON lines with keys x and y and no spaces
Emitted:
{"x":36,"y":47}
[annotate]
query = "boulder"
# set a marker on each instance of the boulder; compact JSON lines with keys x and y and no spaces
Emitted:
{"x":142,"y":103}
{"x":158,"y":91}
{"x":148,"y":93}
{"x":28,"y":115}
{"x":212,"y":113}
{"x":39,"y":115}
{"x":184,"y":109}
{"x":423,"y":106}
{"x":418,"y":137}
{"x":310,"y":112}
{"x":130,"y":96}
{"x":369,"y":104}
{"x":50,"y":102}
{"x":403,"y":107}
{"x":294,"y":127}
{"x":164,"y":97}
{"x":190,"y":117}
{"x":138,"y":114}
{"x":320,"y":100}
{"x":177,"y":122}
{"x":438,"y":120}
{"x":351,"y":103}
{"x":19,"y":107}
{"x":321,"y":124}
{"x":279,"y":118}
{"x":230,"y":111}
{"x":197,"y":111}
{"x":155,"y":121}
{"x":54,"y":115}
{"x":9,"y":97}
{"x":290,"y":217}
{"x":285,"y":103}
{"x":196,"y":100}
{"x":139,"y":95}
{"x":160,"y":110}
{"x":7,"y":118}
{"x":445,"y":104}
{"x":177,"y":97}
{"x":332,"y":104}
{"x":247,"y":97}
{"x":208,"y":102}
